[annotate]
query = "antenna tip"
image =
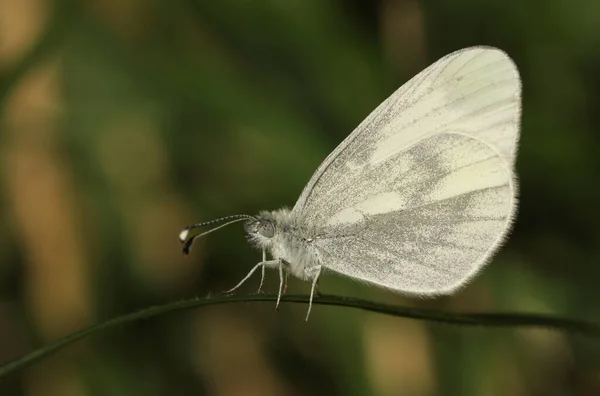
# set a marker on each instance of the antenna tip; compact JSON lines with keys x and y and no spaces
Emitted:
{"x":184,"y":234}
{"x":187,"y":247}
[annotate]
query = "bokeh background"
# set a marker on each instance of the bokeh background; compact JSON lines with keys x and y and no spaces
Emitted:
{"x":121,"y":121}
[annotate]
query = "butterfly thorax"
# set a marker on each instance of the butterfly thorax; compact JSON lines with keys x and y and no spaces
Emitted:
{"x":285,"y":237}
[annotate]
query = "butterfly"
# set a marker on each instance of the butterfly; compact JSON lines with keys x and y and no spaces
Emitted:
{"x":418,"y":197}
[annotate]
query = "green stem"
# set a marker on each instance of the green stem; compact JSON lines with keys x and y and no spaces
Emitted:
{"x":431,"y":315}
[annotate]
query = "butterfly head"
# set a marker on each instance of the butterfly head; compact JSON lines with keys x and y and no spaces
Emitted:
{"x":261,"y":230}
{"x":267,"y":228}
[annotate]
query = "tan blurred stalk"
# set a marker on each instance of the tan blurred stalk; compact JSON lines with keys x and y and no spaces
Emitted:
{"x":41,"y":196}
{"x":403,"y":34}
{"x":399,"y":356}
{"x":228,"y":351}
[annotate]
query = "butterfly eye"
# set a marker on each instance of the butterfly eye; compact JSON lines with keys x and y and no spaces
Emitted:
{"x":266,"y":229}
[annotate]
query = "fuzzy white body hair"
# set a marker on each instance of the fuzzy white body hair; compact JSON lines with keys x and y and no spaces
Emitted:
{"x":292,"y":242}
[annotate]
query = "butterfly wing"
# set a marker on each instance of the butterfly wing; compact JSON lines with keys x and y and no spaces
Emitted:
{"x":420,"y":195}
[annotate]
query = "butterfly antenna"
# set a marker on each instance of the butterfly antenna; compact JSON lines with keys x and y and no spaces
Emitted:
{"x":184,"y":234}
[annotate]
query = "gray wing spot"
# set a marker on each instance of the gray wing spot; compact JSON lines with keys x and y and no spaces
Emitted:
{"x":459,"y":203}
{"x":415,"y":174}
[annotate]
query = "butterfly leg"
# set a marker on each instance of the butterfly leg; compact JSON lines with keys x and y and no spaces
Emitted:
{"x":317,"y":292}
{"x":252,"y":271}
{"x":280,"y":284}
{"x":262,"y":278}
{"x":282,"y":281}
{"x":317,"y":273}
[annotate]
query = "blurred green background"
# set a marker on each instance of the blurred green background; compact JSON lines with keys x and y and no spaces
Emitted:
{"x":122,"y":121}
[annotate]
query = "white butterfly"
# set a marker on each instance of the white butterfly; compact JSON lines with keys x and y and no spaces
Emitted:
{"x":419,"y":196}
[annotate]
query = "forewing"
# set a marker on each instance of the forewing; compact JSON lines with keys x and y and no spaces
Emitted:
{"x":424,"y":221}
{"x":475,"y":92}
